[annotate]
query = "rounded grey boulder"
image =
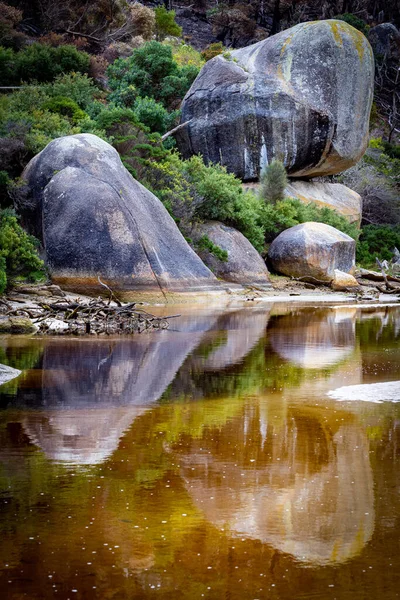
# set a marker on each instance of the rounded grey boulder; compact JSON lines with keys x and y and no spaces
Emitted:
{"x":302,"y":96}
{"x":94,"y":220}
{"x":312,"y":250}
{"x":244,"y":264}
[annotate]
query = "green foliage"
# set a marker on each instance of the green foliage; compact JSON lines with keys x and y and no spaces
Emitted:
{"x":213,"y":50}
{"x":273,"y":182}
{"x":39,"y":113}
{"x":290,"y":212}
{"x":392,"y":150}
{"x":4,"y":183}
{"x":377,"y":241}
{"x":205,"y":243}
{"x":166,"y":24}
{"x":153,"y":115}
{"x":40,"y":63}
{"x":66,"y":107}
{"x":7,"y":72}
{"x":150,"y":72}
{"x":75,"y":86}
{"x":355,"y":22}
{"x":185,"y":55}
{"x":18,"y":254}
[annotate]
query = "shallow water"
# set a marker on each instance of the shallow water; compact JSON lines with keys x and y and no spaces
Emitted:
{"x":207,"y":461}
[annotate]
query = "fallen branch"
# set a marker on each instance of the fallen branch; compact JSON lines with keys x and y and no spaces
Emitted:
{"x":375,"y":276}
{"x":388,"y":285}
{"x":175,"y":129}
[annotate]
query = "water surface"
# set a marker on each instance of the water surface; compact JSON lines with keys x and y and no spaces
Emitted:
{"x":206,"y":461}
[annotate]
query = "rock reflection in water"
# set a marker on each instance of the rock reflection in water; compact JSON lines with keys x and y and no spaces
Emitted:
{"x":319,"y":339}
{"x":303,"y":485}
{"x":91,"y":391}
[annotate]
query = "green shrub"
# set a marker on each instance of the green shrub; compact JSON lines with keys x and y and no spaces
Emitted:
{"x":75,"y":86}
{"x":154,"y":115}
{"x":18,"y":254}
{"x":273,"y":182}
{"x":205,"y":243}
{"x":65,"y":107}
{"x":150,"y":72}
{"x":212,"y":50}
{"x":7,"y":66}
{"x":355,"y":22}
{"x":291,"y":211}
{"x":42,"y":63}
{"x":166,"y":24}
{"x":377,"y":241}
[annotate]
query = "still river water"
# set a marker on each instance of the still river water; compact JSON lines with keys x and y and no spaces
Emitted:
{"x":207,"y":461}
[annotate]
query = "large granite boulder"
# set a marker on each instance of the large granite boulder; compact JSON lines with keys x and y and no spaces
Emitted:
{"x":244,"y":264}
{"x":335,"y":196}
{"x":312,"y":250}
{"x":302,"y":96}
{"x":94,"y":220}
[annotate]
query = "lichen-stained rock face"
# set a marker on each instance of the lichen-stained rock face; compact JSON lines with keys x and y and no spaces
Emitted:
{"x":302,"y":96}
{"x":244,"y":264}
{"x":95,"y":220}
{"x":312,"y":250}
{"x":335,"y":196}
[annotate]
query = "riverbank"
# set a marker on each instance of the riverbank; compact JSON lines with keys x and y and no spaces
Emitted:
{"x":18,"y":306}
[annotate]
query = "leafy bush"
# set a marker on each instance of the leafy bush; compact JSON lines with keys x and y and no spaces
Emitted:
{"x":18,"y":254}
{"x":151,"y":72}
{"x":10,"y":18}
{"x":212,"y":50}
{"x":153,"y":115}
{"x":41,"y":63}
{"x":377,"y":241}
{"x":66,"y":107}
{"x":166,"y":24}
{"x":185,"y":55}
{"x":7,"y":67}
{"x":291,"y":211}
{"x":143,"y":20}
{"x":76,"y":86}
{"x":273,"y":182}
{"x":205,"y":243}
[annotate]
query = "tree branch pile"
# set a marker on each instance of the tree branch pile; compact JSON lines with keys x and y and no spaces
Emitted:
{"x":94,"y":317}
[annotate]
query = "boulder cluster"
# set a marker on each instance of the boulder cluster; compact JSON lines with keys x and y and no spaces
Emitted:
{"x":302,"y":96}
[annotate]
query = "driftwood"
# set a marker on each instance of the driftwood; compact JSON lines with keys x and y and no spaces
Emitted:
{"x":96,"y":317}
{"x":376,"y":276}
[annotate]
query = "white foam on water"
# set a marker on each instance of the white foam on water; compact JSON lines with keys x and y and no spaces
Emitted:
{"x":388,"y":391}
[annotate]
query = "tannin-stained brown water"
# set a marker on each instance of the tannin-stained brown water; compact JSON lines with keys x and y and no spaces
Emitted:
{"x":211,"y":460}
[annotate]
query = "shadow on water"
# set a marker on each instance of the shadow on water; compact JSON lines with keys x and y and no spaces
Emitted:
{"x":203,"y":461}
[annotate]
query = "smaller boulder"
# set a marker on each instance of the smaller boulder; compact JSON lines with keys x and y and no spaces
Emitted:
{"x":244,"y":265}
{"x":312,"y":251}
{"x":7,"y":373}
{"x":335,"y":196}
{"x":343,"y":281}
{"x":16,"y":325}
